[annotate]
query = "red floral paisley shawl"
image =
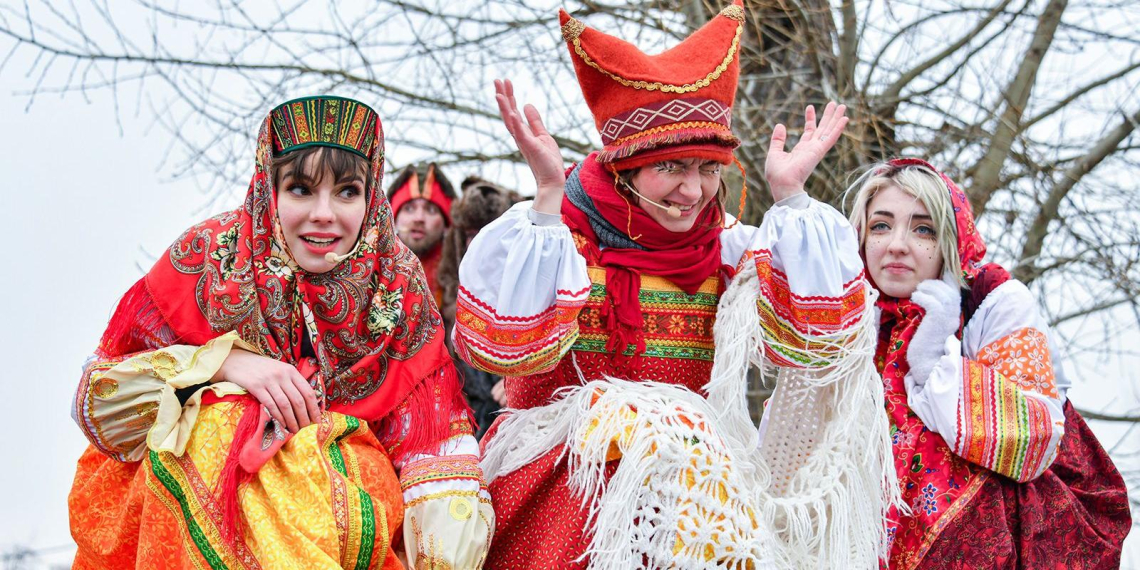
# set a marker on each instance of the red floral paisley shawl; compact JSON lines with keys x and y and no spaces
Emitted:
{"x":371,"y":320}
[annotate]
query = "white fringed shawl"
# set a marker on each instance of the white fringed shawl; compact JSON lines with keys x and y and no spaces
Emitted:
{"x":697,"y":485}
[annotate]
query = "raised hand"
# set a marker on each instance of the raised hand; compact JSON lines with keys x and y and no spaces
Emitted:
{"x":787,"y":172}
{"x":538,"y":148}
{"x":276,"y":385}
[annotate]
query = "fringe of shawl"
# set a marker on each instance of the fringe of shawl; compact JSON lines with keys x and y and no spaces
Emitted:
{"x":232,"y":474}
{"x":422,"y":422}
{"x":829,"y":507}
{"x":136,"y":325}
{"x":679,"y":497}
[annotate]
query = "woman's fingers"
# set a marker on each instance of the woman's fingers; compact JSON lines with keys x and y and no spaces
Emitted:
{"x":537,"y":128}
{"x":296,"y":402}
{"x":310,"y":396}
{"x":510,"y":90}
{"x":833,"y":136}
{"x":285,"y":407}
{"x":779,"y":137}
{"x":270,"y":405}
{"x":809,"y":122}
{"x":830,"y":120}
{"x":825,"y":121}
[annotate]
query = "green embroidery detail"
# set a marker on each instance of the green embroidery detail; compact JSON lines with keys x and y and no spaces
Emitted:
{"x":652,"y":301}
{"x":367,"y":530}
{"x":585,"y":344}
{"x":196,"y":534}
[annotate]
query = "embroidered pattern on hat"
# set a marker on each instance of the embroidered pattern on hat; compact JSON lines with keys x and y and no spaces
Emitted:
{"x":665,"y":113}
{"x":325,"y":121}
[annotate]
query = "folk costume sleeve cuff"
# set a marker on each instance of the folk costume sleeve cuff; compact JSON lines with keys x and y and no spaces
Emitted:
{"x":812,"y":285}
{"x":448,"y":519}
{"x":993,"y":396}
{"x":128,"y":405}
{"x":521,"y":286}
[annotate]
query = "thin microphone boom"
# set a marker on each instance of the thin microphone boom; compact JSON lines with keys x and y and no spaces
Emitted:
{"x":673,"y":211}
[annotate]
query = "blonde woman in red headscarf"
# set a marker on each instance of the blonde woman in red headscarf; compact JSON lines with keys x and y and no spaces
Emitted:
{"x":275,"y":392}
{"x":627,"y":442}
{"x":997,"y":468}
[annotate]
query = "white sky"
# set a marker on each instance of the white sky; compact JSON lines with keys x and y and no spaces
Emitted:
{"x":82,"y":206}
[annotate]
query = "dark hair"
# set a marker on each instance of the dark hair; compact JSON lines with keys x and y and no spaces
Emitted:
{"x":344,"y":165}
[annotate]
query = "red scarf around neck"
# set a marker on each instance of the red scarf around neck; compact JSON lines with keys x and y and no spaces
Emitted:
{"x":687,"y":259}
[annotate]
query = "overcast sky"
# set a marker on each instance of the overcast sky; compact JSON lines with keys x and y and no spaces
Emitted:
{"x":84,"y":207}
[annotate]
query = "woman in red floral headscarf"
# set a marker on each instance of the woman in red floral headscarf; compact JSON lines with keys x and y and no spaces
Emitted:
{"x":275,"y":392}
{"x":597,"y":303}
{"x":997,"y":468}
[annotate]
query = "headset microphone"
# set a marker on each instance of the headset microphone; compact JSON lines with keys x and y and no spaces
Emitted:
{"x":334,"y":258}
{"x":672,"y":211}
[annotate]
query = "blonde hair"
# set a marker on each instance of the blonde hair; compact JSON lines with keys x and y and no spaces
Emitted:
{"x":925,"y":185}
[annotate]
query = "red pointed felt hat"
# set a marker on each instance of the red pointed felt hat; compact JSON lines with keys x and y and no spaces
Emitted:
{"x":676,"y":104}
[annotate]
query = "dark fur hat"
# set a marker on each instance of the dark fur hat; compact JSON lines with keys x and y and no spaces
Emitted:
{"x":480,"y":204}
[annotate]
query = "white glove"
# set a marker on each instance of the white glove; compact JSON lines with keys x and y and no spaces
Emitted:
{"x":943,"y":304}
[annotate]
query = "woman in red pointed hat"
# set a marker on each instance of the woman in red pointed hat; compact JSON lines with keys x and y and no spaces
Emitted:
{"x":597,"y":304}
{"x":997,"y":468}
{"x":275,"y":392}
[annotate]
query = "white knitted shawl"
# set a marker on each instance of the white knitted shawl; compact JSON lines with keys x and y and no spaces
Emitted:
{"x":698,"y":486}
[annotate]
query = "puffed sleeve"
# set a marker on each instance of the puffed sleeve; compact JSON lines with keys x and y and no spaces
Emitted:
{"x":994,"y":396}
{"x":522,"y":284}
{"x":811,"y":279}
{"x":128,"y":404}
{"x":448,"y":519}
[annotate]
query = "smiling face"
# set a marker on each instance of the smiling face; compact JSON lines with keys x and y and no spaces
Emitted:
{"x":901,"y":246}
{"x":321,"y":204}
{"x":689,"y":184}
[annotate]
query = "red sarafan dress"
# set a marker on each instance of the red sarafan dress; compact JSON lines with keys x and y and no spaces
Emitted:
{"x":627,"y":442}
{"x":998,"y":469}
{"x":536,"y":305}
{"x":184,"y":473}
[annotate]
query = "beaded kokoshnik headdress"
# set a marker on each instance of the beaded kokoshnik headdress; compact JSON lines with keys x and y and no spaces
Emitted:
{"x":324,"y":121}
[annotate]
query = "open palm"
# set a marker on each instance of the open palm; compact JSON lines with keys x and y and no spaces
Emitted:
{"x":537,"y":146}
{"x":787,"y":172}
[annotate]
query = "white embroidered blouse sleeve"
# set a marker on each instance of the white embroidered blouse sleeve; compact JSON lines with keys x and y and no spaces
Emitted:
{"x":522,"y":284}
{"x":994,"y":396}
{"x":813,"y":292}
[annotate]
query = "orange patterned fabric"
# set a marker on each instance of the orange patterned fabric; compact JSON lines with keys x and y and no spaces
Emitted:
{"x":999,"y":427}
{"x":1023,"y":357}
{"x":328,"y":499}
{"x":502,"y":344}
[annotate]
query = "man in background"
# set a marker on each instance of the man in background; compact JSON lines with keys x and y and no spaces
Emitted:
{"x":421,"y":201}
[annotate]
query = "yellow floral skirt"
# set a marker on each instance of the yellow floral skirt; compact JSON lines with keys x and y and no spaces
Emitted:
{"x":329,"y":498}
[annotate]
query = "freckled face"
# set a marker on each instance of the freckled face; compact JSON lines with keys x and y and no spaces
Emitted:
{"x":901,"y":248}
{"x":689,"y":184}
{"x":320,"y":216}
